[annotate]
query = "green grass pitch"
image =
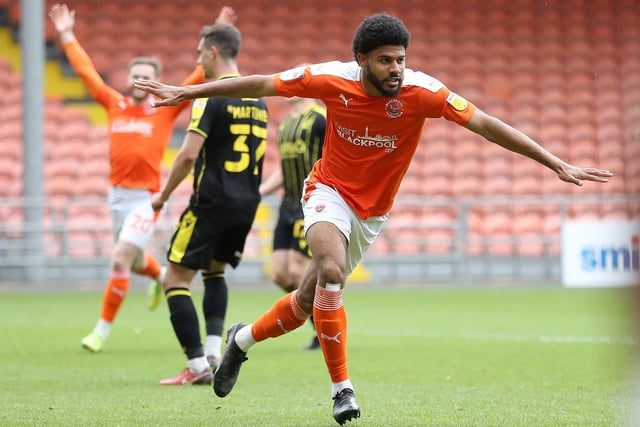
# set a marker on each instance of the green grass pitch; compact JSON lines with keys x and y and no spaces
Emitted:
{"x":418,"y":357}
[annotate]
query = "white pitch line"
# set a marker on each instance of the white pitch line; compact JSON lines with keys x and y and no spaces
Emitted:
{"x":547,"y":339}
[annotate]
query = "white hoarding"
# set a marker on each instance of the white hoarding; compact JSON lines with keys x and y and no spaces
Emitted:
{"x":600,"y":253}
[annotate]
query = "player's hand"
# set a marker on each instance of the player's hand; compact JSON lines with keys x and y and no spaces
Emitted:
{"x":576,"y":175}
{"x":157,"y":202}
{"x":62,"y":18}
{"x":169,"y":95}
{"x":227,"y":16}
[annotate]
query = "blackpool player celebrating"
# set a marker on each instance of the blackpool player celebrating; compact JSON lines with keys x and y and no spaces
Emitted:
{"x":376,"y":109}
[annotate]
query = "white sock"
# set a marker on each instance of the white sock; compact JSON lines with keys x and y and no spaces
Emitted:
{"x":198,"y":364}
{"x":338,"y":387}
{"x":103,"y":328}
{"x":212,"y":346}
{"x":163,"y":272}
{"x":244,"y":339}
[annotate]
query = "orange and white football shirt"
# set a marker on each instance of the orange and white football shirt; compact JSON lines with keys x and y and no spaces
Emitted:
{"x":369,"y":141}
{"x":138,"y":134}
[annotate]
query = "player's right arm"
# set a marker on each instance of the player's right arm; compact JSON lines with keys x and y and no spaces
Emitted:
{"x":182,"y":166}
{"x":64,"y":20}
{"x":255,"y":86}
{"x":274,"y":181}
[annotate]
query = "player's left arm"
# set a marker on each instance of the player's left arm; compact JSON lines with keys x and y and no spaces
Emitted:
{"x":254,"y":86}
{"x":497,"y":131}
{"x":182,"y":166}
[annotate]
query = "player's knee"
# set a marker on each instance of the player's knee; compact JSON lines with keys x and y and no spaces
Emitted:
{"x":280,"y":278}
{"x":331,"y":273}
{"x":120,"y":264}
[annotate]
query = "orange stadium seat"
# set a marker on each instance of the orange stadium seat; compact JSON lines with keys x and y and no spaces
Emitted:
{"x":98,"y":166}
{"x":438,"y":167}
{"x":411,"y":185}
{"x":527,"y":185}
{"x":61,"y":167}
{"x":65,"y":148}
{"x":616,"y":212}
{"x":497,"y":235}
{"x":611,"y":150}
{"x":465,"y":148}
{"x":13,"y":93}
{"x":554,"y":186}
{"x":73,"y":115}
{"x":616,"y":185}
{"x":433,"y":151}
{"x":11,"y":137}
{"x":497,"y":166}
{"x":10,"y":169}
{"x":584,"y":212}
{"x":6,"y":70}
{"x":12,"y":220}
{"x":93,"y":186}
{"x":498,"y":185}
{"x":61,"y":187}
{"x":581,"y":77}
{"x":609,"y":115}
{"x":554,"y":110}
{"x":437,"y":186}
{"x":528,"y":228}
{"x":467,"y":185}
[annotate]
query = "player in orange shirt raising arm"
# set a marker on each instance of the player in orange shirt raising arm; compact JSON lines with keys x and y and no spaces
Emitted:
{"x":138,"y":137}
{"x":376,"y":109}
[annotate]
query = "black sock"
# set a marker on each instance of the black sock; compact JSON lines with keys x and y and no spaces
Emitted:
{"x":214,"y":302}
{"x":184,"y":319}
{"x":290,"y":288}
{"x":313,"y":325}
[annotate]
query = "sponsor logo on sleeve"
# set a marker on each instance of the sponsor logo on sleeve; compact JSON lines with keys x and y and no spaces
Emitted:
{"x":457,"y":102}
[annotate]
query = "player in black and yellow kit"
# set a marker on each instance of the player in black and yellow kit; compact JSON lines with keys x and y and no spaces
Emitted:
{"x":300,"y":139}
{"x":224,"y":145}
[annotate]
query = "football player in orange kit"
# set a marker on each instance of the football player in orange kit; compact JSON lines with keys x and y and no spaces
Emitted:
{"x":376,"y":109}
{"x":138,"y":137}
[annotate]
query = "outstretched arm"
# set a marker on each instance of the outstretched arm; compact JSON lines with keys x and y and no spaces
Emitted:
{"x":255,"y":86}
{"x":63,"y":20}
{"x":514,"y":140}
{"x":272,"y":182}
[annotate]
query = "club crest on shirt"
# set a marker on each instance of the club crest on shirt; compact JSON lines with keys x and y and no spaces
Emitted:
{"x":394,"y":108}
{"x":457,"y":102}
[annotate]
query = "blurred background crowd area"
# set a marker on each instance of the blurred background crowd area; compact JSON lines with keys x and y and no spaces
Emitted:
{"x":565,"y":72}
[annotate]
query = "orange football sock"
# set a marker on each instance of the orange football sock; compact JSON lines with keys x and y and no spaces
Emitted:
{"x":151,"y":266}
{"x":285,"y":316}
{"x":330,"y":319}
{"x":114,"y":294}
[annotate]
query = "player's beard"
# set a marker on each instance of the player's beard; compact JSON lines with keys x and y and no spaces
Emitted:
{"x":379,"y":84}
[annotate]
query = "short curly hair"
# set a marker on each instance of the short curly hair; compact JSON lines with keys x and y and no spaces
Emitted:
{"x":379,"y":30}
